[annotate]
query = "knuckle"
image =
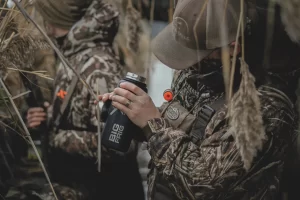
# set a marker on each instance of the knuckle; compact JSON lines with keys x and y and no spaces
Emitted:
{"x":127,"y":94}
{"x":113,"y":97}
{"x":135,"y":89}
{"x":116,"y":91}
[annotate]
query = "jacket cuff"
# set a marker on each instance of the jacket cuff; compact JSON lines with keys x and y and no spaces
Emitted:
{"x":154,"y":126}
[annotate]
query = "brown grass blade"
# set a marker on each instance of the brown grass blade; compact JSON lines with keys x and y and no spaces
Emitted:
{"x":27,"y":135}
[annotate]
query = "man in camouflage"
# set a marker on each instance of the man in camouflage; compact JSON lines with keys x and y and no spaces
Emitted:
{"x":84,"y":32}
{"x":194,"y":150}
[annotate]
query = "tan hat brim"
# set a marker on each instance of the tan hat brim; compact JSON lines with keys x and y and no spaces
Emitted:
{"x":173,"y":54}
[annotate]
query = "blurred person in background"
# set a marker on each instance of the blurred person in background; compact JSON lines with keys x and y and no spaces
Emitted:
{"x":84,"y":32}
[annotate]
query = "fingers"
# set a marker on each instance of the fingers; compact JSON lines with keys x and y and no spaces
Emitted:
{"x":98,"y":99}
{"x":34,"y":110}
{"x":31,"y":119}
{"x":107,"y":96}
{"x":46,"y":104}
{"x":35,"y":121}
{"x":133,"y":88}
{"x":36,"y":114}
{"x":121,"y":107}
{"x":103,"y":97}
{"x":119,"y":99}
{"x":34,"y":124}
{"x":125,"y":93}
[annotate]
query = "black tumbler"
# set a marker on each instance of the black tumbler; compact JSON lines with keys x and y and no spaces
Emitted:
{"x":119,"y":130}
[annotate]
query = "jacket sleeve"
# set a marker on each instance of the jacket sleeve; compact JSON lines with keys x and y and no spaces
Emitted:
{"x":83,"y":112}
{"x":205,"y":171}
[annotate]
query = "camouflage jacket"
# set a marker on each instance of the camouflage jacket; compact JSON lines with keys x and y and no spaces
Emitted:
{"x":212,"y":169}
{"x":88,"y":48}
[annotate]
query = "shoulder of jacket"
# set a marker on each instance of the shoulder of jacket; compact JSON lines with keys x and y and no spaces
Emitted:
{"x":98,"y":61}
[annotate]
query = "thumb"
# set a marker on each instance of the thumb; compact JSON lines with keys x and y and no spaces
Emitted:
{"x":46,"y":104}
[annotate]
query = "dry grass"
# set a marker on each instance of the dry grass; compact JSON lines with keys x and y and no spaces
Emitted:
{"x":133,"y":38}
{"x":245,"y":116}
{"x":16,"y":54}
{"x":17,"y":50}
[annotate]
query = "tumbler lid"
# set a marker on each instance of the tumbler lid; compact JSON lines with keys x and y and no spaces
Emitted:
{"x":135,"y":77}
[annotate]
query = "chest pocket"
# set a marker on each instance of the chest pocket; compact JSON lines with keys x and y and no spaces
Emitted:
{"x":208,"y":118}
{"x":177,"y":116}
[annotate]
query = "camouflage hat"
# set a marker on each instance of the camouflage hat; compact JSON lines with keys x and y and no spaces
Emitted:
{"x":196,"y":31}
{"x":62,"y":13}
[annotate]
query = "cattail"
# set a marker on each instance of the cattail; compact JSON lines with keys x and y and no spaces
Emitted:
{"x":246,"y":119}
{"x":290,"y":15}
{"x":133,"y":27}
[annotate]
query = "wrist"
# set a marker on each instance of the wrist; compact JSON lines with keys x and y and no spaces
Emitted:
{"x":156,"y":115}
{"x":148,"y":133}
